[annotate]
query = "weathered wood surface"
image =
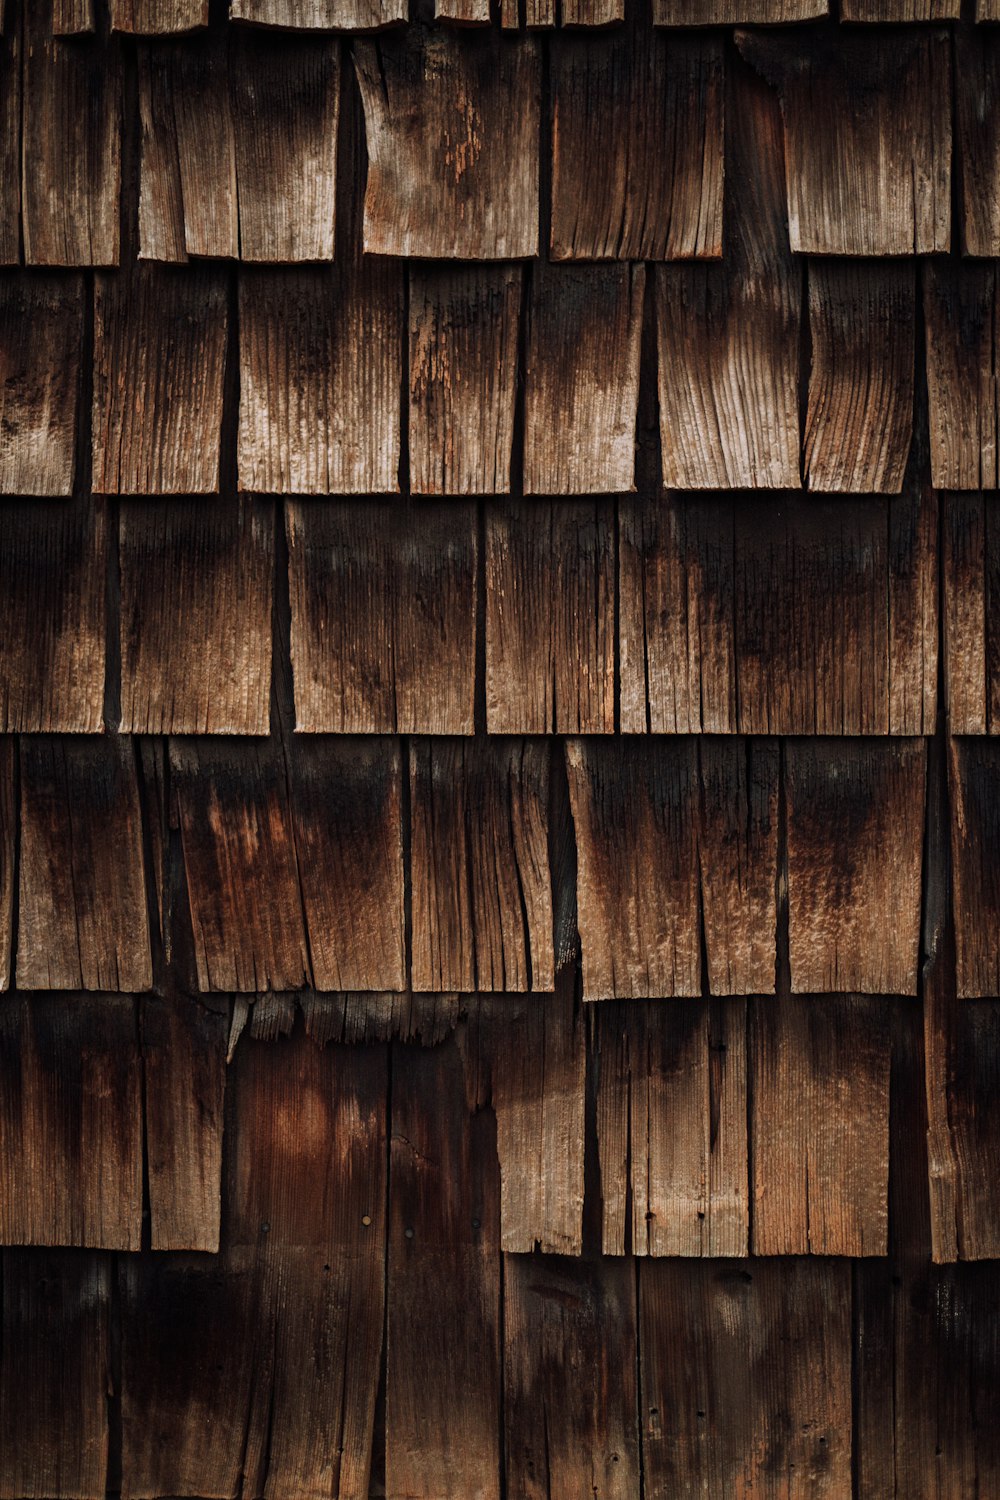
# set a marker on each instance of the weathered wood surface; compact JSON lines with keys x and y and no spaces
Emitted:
{"x":162,"y":331}
{"x":971,"y":575}
{"x":636,"y":145}
{"x":728,"y":335}
{"x":41,"y":328}
{"x":880,"y":184}
{"x":977,"y":145}
{"x":464,"y":327}
{"x":973,"y":770}
{"x":452,"y":121}
{"x":898,"y":11}
{"x":195,"y":615}
{"x":482,"y":904}
{"x":82,"y":914}
{"x":158,"y":17}
{"x":855,"y":847}
{"x":70,"y":1122}
{"x":320,"y":15}
{"x":672,"y":1109}
{"x":582,"y":378}
{"x":10,"y":139}
{"x":962,"y":388}
{"x":746,"y":1378}
{"x":550,"y":610}
{"x":736,"y":12}
{"x":52,"y":615}
{"x":738,"y":862}
{"x":8,"y":844}
{"x":383,"y":598}
{"x":859,"y":420}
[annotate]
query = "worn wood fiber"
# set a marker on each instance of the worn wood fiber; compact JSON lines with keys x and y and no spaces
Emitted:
{"x":71,"y":145}
{"x":746,"y":1378}
{"x":735,"y":12}
{"x":962,"y":389}
{"x":728,"y":335}
{"x":570,"y":1430}
{"x":70,"y":1122}
{"x":55,"y":1374}
{"x":859,"y":420}
{"x":320,"y":15}
{"x":550,"y":601}
{"x":970,"y":562}
{"x":977,"y":147}
{"x":479,"y":860}
{"x":82,"y":893}
{"x":10,"y":138}
{"x":41,"y":327}
{"x":320,"y":370}
{"x":974,"y":767}
{"x":195,"y":615}
{"x":636,"y":146}
{"x":161,"y":331}
{"x":672,"y":1127}
{"x":897,"y":11}
{"x":582,"y":378}
{"x":452,"y":120}
{"x":158,"y":17}
{"x":855,"y":849}
{"x":383,"y":597}
{"x":738,"y":860}
{"x":879,"y":184}
{"x":463,"y":364}
{"x":8,"y":844}
{"x":52,"y":615}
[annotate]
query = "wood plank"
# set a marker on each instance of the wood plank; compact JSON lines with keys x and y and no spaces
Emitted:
{"x":881,"y":183}
{"x":158,"y":17}
{"x":383,"y":598}
{"x":41,"y":331}
{"x":184,"y":1071}
{"x":973,"y":768}
{"x":635,"y":814}
{"x":72,"y":17}
{"x":819,"y":1097}
{"x":464,"y":326}
{"x":636,"y":142}
{"x":855,"y":846}
{"x":736,"y":12}
{"x":582,"y":379}
{"x":72,"y":139}
{"x":901,"y":11}
{"x":738,"y":860}
{"x":962,"y":389}
{"x":346,"y":799}
{"x":576,"y":1435}
{"x":443,"y":1398}
{"x":452,"y":122}
{"x":10,"y":137}
{"x":977,"y":147}
{"x":52,"y":615}
{"x":8,"y":844}
{"x":672,"y":1109}
{"x":746,"y":1378}
{"x":728,"y":335}
{"x":592,"y":12}
{"x":162,"y":331}
{"x":320,"y":371}
{"x":479,"y":861}
{"x":862,"y":331}
{"x":70,"y":1122}
{"x":240,"y":865}
{"x":55,"y":1374}
{"x":82,"y":897}
{"x":969,"y":564}
{"x":320,"y":15}
{"x":550,"y":603}
{"x":195,"y":619}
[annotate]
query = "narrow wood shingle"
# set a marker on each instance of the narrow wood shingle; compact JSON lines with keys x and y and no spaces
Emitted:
{"x":158,"y":17}
{"x":320,"y":15}
{"x":973,"y":772}
{"x":960,"y":317}
{"x":41,"y":332}
{"x":971,"y":570}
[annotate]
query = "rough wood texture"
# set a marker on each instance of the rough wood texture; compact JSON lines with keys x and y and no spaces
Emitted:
{"x":443,"y":1397}
{"x":383,"y":634}
{"x":879,"y":184}
{"x":859,"y":421}
{"x":582,"y":378}
{"x":977,"y":62}
{"x":41,"y":327}
{"x":10,"y":140}
{"x":71,"y":146}
{"x":463,"y":12}
{"x":797,"y":616}
{"x":320,"y":15}
{"x":896,"y":11}
{"x":160,"y":331}
{"x":636,"y":146}
{"x":960,"y":302}
{"x":158,"y":17}
{"x":971,"y":568}
{"x":52,"y":616}
{"x":82,"y":901}
{"x":746,"y":1378}
{"x":55,"y":1374}
{"x":738,"y":859}
{"x":672,"y":1127}
{"x":452,"y":122}
{"x":855,"y":846}
{"x":463,"y":357}
{"x":195,"y":615}
{"x":635,"y":816}
{"x":735,"y":12}
{"x":974,"y":768}
{"x":728,"y":335}
{"x":320,"y":363}
{"x":184,"y":1070}
{"x":482,"y":889}
{"x":70,"y":1122}
{"x":8,"y":843}
{"x":820,"y":1125}
{"x":550,"y":603}
{"x":569,"y":1429}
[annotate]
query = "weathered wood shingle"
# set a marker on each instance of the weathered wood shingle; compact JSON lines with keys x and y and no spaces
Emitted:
{"x":41,"y":334}
{"x":960,"y":301}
